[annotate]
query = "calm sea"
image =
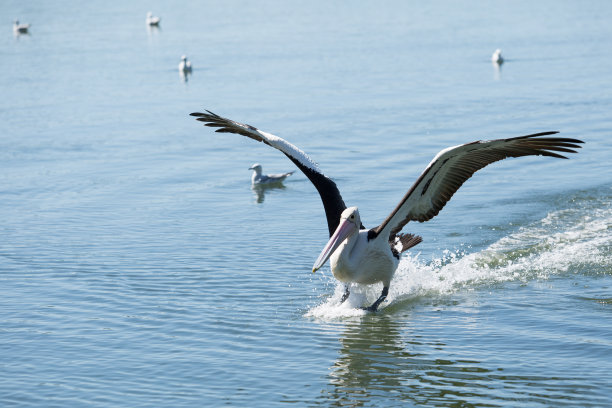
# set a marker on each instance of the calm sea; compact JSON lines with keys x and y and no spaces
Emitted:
{"x":139,"y":269}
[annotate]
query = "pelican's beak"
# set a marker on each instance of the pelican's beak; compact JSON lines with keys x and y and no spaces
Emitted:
{"x":345,"y":229}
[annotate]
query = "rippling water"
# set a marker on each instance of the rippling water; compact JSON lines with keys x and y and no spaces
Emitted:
{"x":138,"y":268}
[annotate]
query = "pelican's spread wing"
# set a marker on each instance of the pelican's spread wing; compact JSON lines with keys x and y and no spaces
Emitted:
{"x":453,"y":166}
{"x":330,"y":195}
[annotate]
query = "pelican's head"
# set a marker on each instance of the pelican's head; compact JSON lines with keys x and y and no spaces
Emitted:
{"x":349,"y":224}
{"x":184,"y":58}
{"x":256,"y":168}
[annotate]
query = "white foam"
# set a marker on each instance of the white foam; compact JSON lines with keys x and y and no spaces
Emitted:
{"x":576,"y":240}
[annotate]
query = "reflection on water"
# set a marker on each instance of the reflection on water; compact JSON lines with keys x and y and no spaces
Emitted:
{"x":19,"y":35}
{"x":369,"y":361}
{"x":259,"y":190}
{"x":153,"y":29}
{"x":380,"y":357}
{"x":497,"y":69}
{"x":184,"y":75}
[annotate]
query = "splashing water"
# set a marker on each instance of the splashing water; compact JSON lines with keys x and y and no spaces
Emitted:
{"x":577,"y":240}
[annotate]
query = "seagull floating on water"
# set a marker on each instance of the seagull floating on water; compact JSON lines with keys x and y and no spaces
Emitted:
{"x":20,"y":28}
{"x":153,"y":20}
{"x":368,"y":256}
{"x":259,"y":178}
{"x":497,"y":58}
{"x":184,"y":65}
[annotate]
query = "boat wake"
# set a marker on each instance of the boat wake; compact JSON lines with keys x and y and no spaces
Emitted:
{"x":577,"y":240}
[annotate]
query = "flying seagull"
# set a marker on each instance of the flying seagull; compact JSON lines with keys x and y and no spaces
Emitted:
{"x":367,"y":256}
{"x":259,"y":178}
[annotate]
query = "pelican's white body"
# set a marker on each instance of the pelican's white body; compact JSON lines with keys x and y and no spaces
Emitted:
{"x":361,"y":261}
{"x":356,"y":258}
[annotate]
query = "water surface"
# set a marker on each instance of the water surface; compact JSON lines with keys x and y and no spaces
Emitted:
{"x":138,"y":268}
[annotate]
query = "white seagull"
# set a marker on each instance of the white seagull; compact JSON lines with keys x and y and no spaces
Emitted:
{"x":152,"y":20}
{"x":367,"y":256}
{"x":259,"y":178}
{"x":20,"y":28}
{"x":184,"y":65}
{"x":497,"y":58}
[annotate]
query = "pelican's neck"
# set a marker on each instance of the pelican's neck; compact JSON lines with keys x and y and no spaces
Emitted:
{"x":345,"y":256}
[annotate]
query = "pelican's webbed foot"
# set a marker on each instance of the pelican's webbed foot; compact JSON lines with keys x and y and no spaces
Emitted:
{"x":381,"y":299}
{"x":346,"y":294}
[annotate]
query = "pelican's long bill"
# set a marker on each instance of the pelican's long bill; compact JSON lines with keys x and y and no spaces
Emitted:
{"x":345,"y":229}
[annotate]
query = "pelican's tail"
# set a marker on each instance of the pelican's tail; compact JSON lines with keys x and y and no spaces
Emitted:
{"x":404,"y":242}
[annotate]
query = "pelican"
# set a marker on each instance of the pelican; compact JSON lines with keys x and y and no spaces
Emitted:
{"x":152,"y":20}
{"x":184,"y":65}
{"x":497,"y":58}
{"x":259,"y":178}
{"x":20,"y":28}
{"x":368,"y":256}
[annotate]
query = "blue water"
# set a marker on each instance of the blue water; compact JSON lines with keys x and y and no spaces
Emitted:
{"x":138,"y":268}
